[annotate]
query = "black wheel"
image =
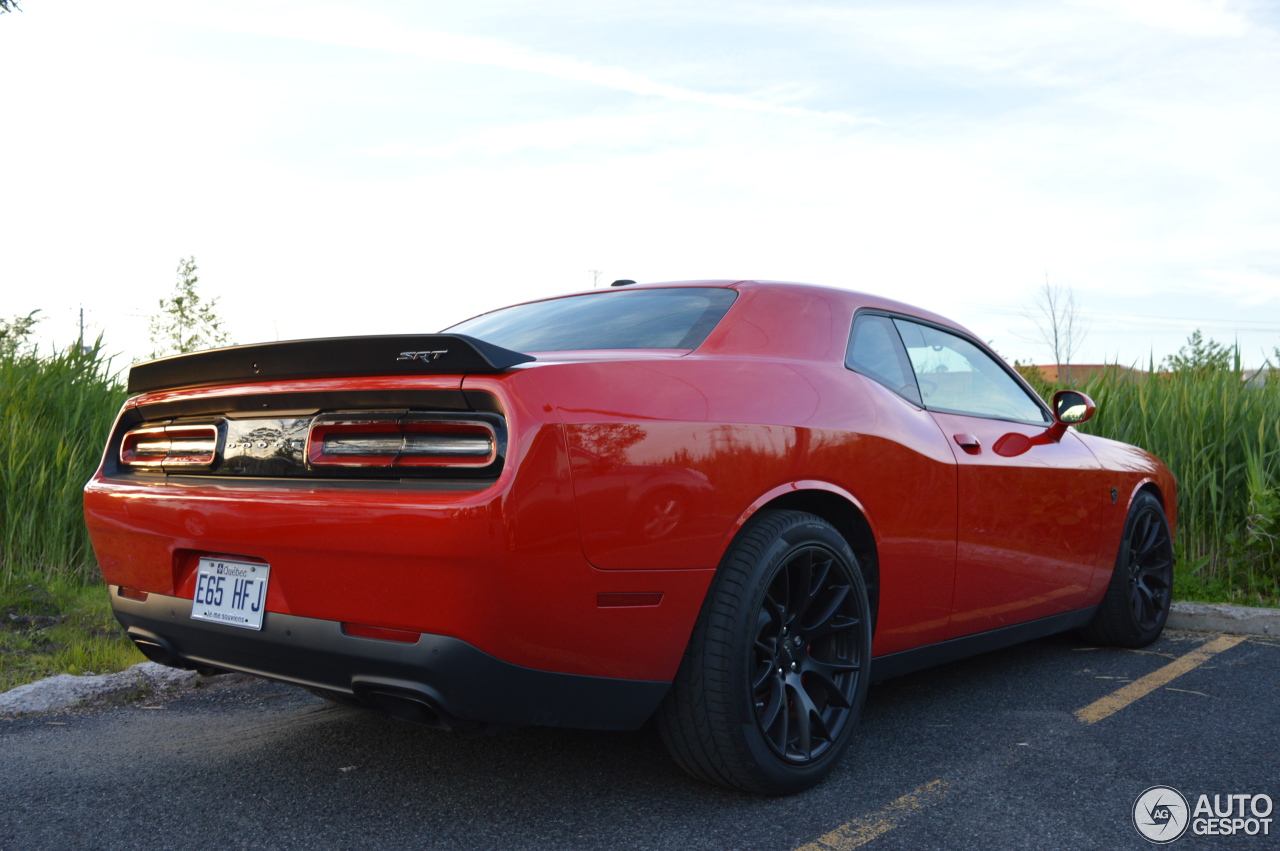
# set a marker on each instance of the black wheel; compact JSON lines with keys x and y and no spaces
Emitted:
{"x":1134,"y":610}
{"x":776,"y":672}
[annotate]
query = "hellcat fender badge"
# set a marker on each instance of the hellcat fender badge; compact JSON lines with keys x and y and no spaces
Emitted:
{"x":423,"y":356}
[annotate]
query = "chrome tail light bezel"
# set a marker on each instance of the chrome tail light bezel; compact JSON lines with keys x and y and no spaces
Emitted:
{"x":188,"y":447}
{"x":400,"y":441}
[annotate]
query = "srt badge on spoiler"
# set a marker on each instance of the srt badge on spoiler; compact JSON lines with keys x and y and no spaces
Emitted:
{"x":423,"y":356}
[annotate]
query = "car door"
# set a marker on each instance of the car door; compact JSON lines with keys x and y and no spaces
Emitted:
{"x":1028,"y":520}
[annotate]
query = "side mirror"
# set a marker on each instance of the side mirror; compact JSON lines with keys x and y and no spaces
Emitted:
{"x":1070,"y":407}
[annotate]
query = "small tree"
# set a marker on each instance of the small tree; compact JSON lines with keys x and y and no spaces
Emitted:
{"x":1057,"y":316}
{"x":186,"y":323}
{"x":1200,"y":355}
{"x":14,"y":334}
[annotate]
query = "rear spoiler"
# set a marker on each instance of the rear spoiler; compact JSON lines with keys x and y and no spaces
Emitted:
{"x":409,"y":354}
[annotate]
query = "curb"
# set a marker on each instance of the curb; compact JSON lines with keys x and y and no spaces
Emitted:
{"x":67,"y":690}
{"x":1219,"y":617}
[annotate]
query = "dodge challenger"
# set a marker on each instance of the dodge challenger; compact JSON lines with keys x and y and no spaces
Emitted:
{"x":728,"y":506}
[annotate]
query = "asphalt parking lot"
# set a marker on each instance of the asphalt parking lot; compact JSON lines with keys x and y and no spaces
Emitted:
{"x":1046,"y":745}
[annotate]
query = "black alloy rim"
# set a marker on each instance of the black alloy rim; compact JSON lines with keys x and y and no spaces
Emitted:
{"x":1150,"y":568}
{"x":808,"y":654}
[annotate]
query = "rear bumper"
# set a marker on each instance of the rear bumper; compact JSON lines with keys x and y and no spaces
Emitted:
{"x":439,"y":680}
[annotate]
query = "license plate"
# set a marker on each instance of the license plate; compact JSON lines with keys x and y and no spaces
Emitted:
{"x":230,"y":592}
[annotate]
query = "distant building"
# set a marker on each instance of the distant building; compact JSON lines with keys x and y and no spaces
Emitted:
{"x":1079,"y":373}
{"x":1260,"y":377}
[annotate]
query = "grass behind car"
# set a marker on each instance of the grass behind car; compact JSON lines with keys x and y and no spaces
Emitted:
{"x":55,"y":415}
{"x":1219,"y":436}
{"x":55,"y":617}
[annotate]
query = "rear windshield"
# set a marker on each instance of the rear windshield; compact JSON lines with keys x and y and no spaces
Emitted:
{"x":674,"y":318}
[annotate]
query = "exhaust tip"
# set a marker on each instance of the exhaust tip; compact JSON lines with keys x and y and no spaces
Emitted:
{"x":155,"y":648}
{"x":412,"y":702}
{"x":160,"y":651}
{"x":405,"y":706}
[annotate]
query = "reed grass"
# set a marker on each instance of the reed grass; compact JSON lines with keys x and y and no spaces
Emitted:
{"x":55,"y":416}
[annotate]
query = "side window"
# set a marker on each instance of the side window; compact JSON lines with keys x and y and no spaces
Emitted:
{"x":876,"y":352}
{"x":958,"y":377}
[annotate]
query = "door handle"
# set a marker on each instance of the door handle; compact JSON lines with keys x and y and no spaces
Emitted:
{"x":967,"y":441}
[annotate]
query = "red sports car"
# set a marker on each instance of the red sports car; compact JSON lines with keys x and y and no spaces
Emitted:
{"x":727,"y":505}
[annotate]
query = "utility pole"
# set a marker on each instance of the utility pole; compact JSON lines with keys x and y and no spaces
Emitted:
{"x":595,"y":278}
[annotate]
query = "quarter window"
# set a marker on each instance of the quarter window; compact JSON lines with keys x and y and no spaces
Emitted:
{"x":876,"y":352}
{"x":956,"y":376}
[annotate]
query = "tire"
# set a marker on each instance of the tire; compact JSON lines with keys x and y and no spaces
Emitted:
{"x":1134,"y":609}
{"x":776,"y":672}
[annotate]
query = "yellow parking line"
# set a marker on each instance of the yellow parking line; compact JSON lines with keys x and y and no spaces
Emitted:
{"x":1121,"y":698}
{"x":862,"y":830}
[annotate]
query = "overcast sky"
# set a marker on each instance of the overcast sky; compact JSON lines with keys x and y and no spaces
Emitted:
{"x":390,"y":167}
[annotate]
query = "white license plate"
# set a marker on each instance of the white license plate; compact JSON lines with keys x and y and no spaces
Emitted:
{"x":230,"y":592}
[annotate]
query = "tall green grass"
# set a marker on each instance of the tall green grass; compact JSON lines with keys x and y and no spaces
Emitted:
{"x":1221,"y":439}
{"x":55,"y":414}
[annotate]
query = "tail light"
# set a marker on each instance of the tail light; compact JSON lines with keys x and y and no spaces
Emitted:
{"x":173,"y":447}
{"x":400,"y":441}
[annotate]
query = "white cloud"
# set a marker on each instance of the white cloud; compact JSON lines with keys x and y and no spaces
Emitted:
{"x":1209,"y":18}
{"x":599,"y":133}
{"x":358,"y":28}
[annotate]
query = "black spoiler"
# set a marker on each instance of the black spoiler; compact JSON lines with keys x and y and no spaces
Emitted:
{"x":408,"y":354}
